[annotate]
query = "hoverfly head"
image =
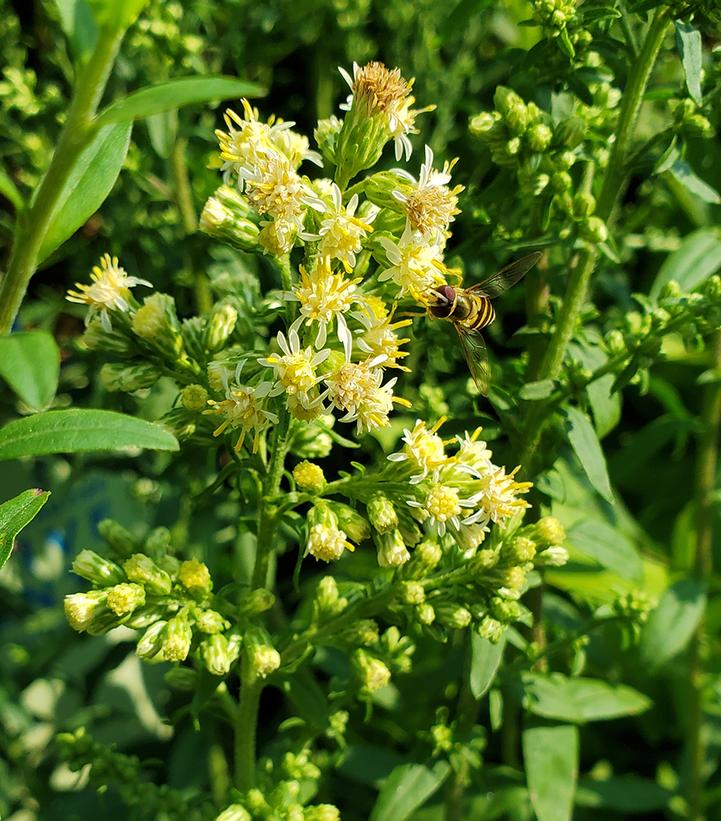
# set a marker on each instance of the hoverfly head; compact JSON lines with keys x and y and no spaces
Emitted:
{"x":441,"y":301}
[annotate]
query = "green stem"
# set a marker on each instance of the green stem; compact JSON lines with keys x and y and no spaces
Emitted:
{"x":78,"y":130}
{"x":706,"y":471}
{"x":246,"y":725}
{"x":613,"y":182}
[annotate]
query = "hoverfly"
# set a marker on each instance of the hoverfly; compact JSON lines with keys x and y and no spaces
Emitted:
{"x":470,"y":310}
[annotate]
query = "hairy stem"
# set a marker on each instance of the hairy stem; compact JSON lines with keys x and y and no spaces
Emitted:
{"x":706,"y":471}
{"x":613,"y":182}
{"x":76,"y":134}
{"x":246,"y":725}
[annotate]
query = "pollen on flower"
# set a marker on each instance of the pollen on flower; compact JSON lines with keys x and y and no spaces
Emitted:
{"x":423,"y":448}
{"x":415,"y":263}
{"x":443,"y":503}
{"x":341,"y":233}
{"x":356,"y":388}
{"x":275,"y":188}
{"x":309,"y":476}
{"x":124,"y":598}
{"x":295,"y":369}
{"x":379,"y":337}
{"x":378,"y":88}
{"x":108,"y":291}
{"x":195,"y":575}
{"x":327,"y":543}
{"x":243,"y":410}
{"x":500,"y":497}
{"x":324,"y":297}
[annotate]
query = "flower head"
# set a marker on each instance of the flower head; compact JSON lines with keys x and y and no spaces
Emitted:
{"x":500,"y":497}
{"x":108,"y":291}
{"x":423,"y":449}
{"x":415,"y":263}
{"x":327,"y":543}
{"x":244,"y":410}
{"x":295,"y":368}
{"x":379,"y":337}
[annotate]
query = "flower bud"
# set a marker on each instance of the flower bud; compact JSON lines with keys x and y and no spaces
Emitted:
{"x":176,"y":638}
{"x":195,"y":577}
{"x":321,"y":812}
{"x":671,"y":290}
{"x":379,"y":189}
{"x":309,"y":476}
{"x":83,"y":609}
{"x":483,"y":560}
{"x":263,"y":657}
{"x":427,"y":555}
{"x":512,"y":109}
{"x":157,"y":543}
{"x":257,"y":601}
{"x":561,"y":182}
{"x":218,"y":654}
{"x":363,"y":632}
{"x":505,"y":610}
{"x":228,"y":216}
{"x":565,"y":160}
{"x":97,"y":569}
{"x":312,"y":441}
{"x":194,"y":397}
{"x":220,"y":326}
{"x":553,"y":556}
{"x":712,"y":288}
{"x":491,"y":629}
{"x":381,"y":513}
{"x":326,"y":541}
{"x":149,"y":644}
{"x":328,"y":600}
{"x":520,"y":550}
{"x":392,"y":551}
{"x":117,"y":537}
{"x":115,"y":376}
{"x":326,"y":136}
{"x":145,"y":615}
{"x":143,"y":570}
{"x":583,"y":205}
{"x":453,"y":616}
{"x":425,"y":613}
{"x":594,"y":230}
{"x":615,"y":342}
{"x":125,"y":598}
{"x":512,"y":581}
{"x":548,"y":531}
{"x":235,"y":812}
{"x":471,"y":536}
{"x":210,"y":621}
{"x":373,"y":673}
{"x":157,"y":323}
{"x":539,"y":137}
{"x":412,"y":592}
{"x":351,"y":522}
{"x":482,"y":123}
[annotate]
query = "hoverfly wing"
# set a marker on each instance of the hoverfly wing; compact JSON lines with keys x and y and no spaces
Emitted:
{"x":507,"y":277}
{"x":476,"y":354}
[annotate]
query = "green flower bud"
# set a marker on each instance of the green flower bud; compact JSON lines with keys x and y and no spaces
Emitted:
{"x":182,"y":679}
{"x":157,"y":323}
{"x":392,"y":551}
{"x":548,"y":530}
{"x":169,"y":564}
{"x":381,"y":513}
{"x":117,"y":537}
{"x":228,"y":216}
{"x":256,"y":601}
{"x":512,"y":580}
{"x":326,"y":137}
{"x":363,"y":632}
{"x":195,"y":577}
{"x":373,"y":673}
{"x":583,"y":205}
{"x":351,"y":522}
{"x":379,"y":189}
{"x":520,"y":550}
{"x":309,"y":476}
{"x":412,"y":592}
{"x":210,"y":621}
{"x":671,"y":290}
{"x":561,"y":182}
{"x":513,"y":146}
{"x":96,"y":338}
{"x":505,"y":610}
{"x":482,"y":123}
{"x":124,"y":598}
{"x":491,"y":629}
{"x":427,"y":555}
{"x":263,"y":657}
{"x":143,"y":570}
{"x":218,"y":654}
{"x":328,"y":601}
{"x":157,"y":543}
{"x":483,"y":560}
{"x":256,"y":800}
{"x":145,"y":615}
{"x":194,"y":397}
{"x":97,"y":569}
{"x":565,"y":160}
{"x":712,"y":288}
{"x":176,"y":639}
{"x":425,"y":613}
{"x":615,"y":342}
{"x":235,"y":812}
{"x":192,"y":331}
{"x":594,"y":230}
{"x":115,"y":376}
{"x":312,"y":440}
{"x":453,"y":616}
{"x":150,"y":642}
{"x":321,"y":812}
{"x":539,"y":137}
{"x":82,"y":610}
{"x":553,"y":556}
{"x":220,"y":326}
{"x":512,"y":109}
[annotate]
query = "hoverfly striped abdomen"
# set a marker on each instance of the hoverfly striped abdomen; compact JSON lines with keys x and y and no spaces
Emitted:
{"x":481,"y":312}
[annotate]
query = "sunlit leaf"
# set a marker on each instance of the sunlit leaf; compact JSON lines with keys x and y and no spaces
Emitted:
{"x":406,"y":789}
{"x":672,"y":623}
{"x":30,"y":364}
{"x":689,"y":44}
{"x":15,"y":514}
{"x":587,"y":448}
{"x":550,"y":753}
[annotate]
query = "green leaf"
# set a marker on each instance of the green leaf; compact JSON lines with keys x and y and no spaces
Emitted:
{"x":683,"y":172}
{"x":163,"y":131}
{"x":693,"y":263}
{"x":584,"y":442}
{"x":688,"y":43}
{"x":175,"y":94}
{"x":9,"y":190}
{"x":116,"y":15}
{"x":76,"y":20}
{"x":78,"y":429}
{"x":406,"y":789}
{"x":550,"y":753}
{"x":90,"y":181}
{"x":608,"y":546}
{"x":485,"y":660}
{"x":622,"y":793}
{"x":537,"y":390}
{"x":15,"y":514}
{"x":579,"y":700}
{"x":30,"y":364}
{"x":672,"y":622}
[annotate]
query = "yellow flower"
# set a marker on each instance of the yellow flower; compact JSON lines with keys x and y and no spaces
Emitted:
{"x":244,"y":410}
{"x":309,"y":476}
{"x":295,"y":369}
{"x":499,"y":498}
{"x":415,"y":266}
{"x":379,"y":337}
{"x":274,"y":188}
{"x":124,"y":598}
{"x":108,"y":291}
{"x":423,"y":449}
{"x":327,"y":543}
{"x":194,"y":575}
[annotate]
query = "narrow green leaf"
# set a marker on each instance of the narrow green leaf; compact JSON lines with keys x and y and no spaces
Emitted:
{"x":584,"y":442}
{"x":30,"y":364}
{"x":672,"y":623}
{"x":485,"y":660}
{"x":683,"y":173}
{"x":579,"y":700}
{"x":550,"y":753}
{"x":608,"y":546}
{"x":175,"y":94}
{"x":78,"y":429}
{"x":693,"y":263}
{"x":116,"y":14}
{"x":91,"y":180}
{"x":16,"y":514}
{"x":9,"y":190}
{"x":163,"y":131}
{"x":78,"y":24}
{"x":406,"y":789}
{"x":688,"y":42}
